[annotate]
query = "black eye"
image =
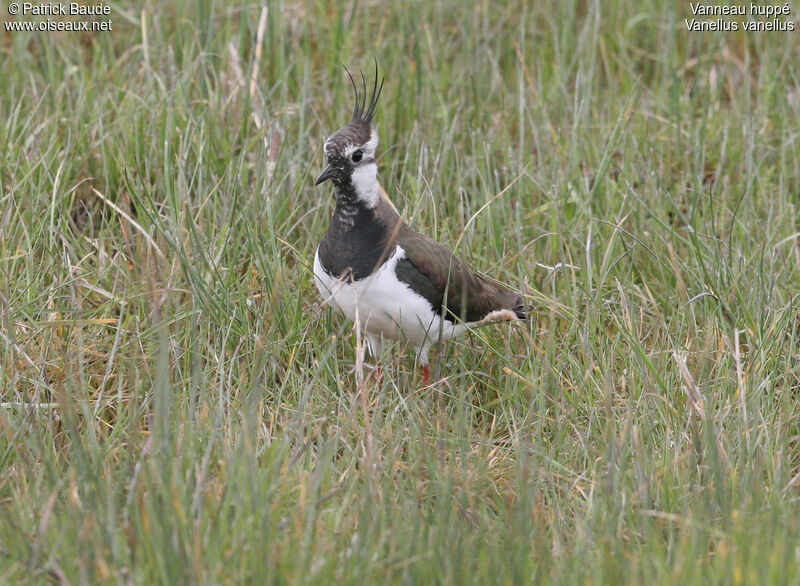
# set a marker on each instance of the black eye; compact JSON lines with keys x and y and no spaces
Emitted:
{"x":357,"y":155}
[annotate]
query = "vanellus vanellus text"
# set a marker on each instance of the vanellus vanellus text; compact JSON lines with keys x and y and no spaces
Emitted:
{"x":395,"y":283}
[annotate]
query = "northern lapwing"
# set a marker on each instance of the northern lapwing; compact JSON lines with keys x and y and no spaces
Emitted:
{"x":394,"y":282}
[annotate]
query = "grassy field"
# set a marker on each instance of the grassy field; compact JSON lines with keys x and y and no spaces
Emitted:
{"x":178,"y":406}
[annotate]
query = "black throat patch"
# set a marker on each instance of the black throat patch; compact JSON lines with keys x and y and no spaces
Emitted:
{"x":358,"y":239}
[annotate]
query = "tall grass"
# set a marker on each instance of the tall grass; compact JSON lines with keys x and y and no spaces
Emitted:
{"x":178,"y":406}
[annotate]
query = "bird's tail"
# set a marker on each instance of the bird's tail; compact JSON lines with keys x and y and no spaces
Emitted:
{"x":519,"y":308}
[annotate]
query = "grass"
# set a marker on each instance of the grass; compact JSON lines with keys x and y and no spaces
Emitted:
{"x":178,"y":407}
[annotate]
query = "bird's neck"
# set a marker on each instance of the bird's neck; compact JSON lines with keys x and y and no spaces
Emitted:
{"x":364,"y":182}
{"x":361,"y":193}
{"x":347,"y":207}
{"x":358,"y":237}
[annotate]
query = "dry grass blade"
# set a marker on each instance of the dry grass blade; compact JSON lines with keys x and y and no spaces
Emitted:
{"x":692,"y":392}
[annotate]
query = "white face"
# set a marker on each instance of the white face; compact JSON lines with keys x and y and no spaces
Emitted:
{"x":365,"y":182}
{"x":363,"y":168}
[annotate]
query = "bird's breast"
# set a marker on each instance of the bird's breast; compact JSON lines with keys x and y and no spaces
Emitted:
{"x":382,"y":304}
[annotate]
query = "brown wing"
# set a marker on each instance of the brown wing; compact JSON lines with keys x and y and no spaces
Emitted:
{"x":447,"y":283}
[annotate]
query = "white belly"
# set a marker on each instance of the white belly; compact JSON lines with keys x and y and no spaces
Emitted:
{"x":383,"y":305}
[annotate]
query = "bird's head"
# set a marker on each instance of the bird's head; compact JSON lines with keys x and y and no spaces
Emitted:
{"x":351,"y":149}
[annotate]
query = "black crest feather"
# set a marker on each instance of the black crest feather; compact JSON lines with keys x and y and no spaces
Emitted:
{"x":362,"y":113}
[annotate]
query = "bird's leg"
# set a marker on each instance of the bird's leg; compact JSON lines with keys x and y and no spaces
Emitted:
{"x":375,"y":343}
{"x":422,"y":355}
{"x":426,"y":374}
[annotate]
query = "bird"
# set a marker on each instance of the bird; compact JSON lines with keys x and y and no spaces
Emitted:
{"x":392,"y":281}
